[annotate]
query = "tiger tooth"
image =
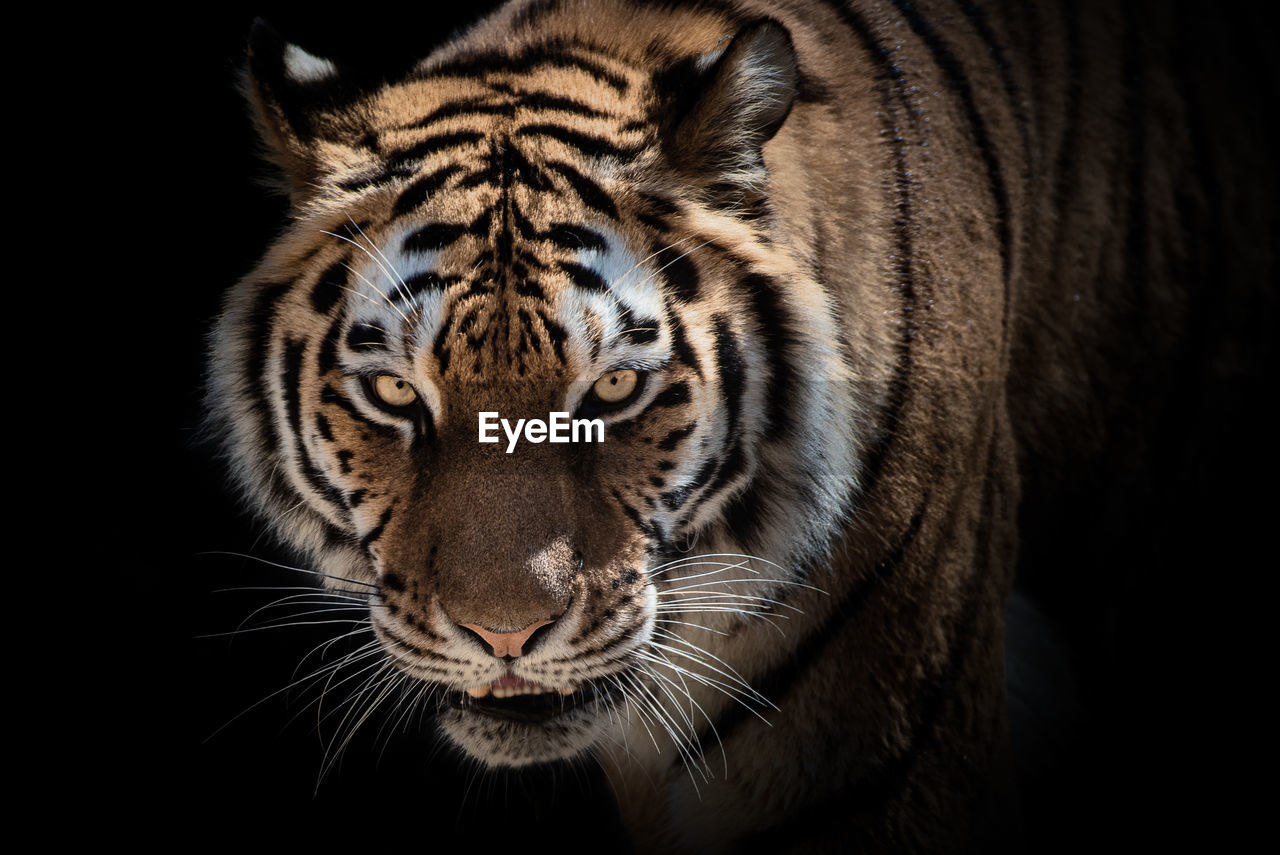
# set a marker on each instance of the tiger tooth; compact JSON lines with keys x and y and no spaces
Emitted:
{"x":478,"y":691}
{"x":568,"y":691}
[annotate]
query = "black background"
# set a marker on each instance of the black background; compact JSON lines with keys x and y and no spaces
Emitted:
{"x":1171,"y":706}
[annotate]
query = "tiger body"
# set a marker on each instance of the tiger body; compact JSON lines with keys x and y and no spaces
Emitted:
{"x":875,"y":265}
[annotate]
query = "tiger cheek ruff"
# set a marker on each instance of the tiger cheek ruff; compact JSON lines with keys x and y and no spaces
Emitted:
{"x":785,"y":266}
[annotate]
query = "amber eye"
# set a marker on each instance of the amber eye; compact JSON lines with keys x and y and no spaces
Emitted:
{"x":616,"y":386}
{"x":393,"y":391}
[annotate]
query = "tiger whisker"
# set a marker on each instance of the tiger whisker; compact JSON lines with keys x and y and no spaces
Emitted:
{"x":402,"y":286}
{"x":626,"y":696}
{"x":680,"y":673}
{"x":289,"y":567}
{"x":693,"y":625}
{"x":683,"y":596}
{"x":700,"y":655}
{"x":731,"y":674}
{"x":276,"y":626}
{"x":682,"y":747}
{"x":321,"y":592}
{"x":293,"y":600}
{"x":746,"y":613}
{"x":268,"y":697}
{"x":646,"y":705}
{"x":322,"y":649}
{"x":381,"y":293}
{"x":786,"y":582}
{"x":364,"y":279}
{"x":762,"y":560}
{"x":653,"y":254}
{"x":331,"y":609}
{"x":377,"y":688}
{"x":720,"y":565}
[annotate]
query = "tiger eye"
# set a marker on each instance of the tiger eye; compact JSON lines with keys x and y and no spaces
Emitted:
{"x":394,"y":391}
{"x":615,"y":386}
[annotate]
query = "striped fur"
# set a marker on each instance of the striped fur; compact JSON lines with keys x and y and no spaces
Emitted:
{"x":872,"y":261}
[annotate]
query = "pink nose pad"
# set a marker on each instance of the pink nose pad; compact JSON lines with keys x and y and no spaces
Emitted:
{"x":506,"y":643}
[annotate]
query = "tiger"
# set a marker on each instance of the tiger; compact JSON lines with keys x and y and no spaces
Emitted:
{"x":858,"y":291}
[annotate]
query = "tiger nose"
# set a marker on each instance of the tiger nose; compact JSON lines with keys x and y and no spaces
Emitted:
{"x":506,"y":645}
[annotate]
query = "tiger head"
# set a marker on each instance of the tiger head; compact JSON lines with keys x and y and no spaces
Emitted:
{"x":523,"y":229}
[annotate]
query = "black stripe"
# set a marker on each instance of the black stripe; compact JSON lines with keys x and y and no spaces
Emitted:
{"x":482,"y":224}
{"x":705,"y":474}
{"x":772,"y":318}
{"x":672,"y":396}
{"x":586,"y":144}
{"x":261,"y":323}
{"x":519,"y":168}
{"x":330,"y":395}
{"x":959,"y":83}
{"x":646,"y":528}
{"x":327,"y":358}
{"x":481,"y":177}
{"x":434,"y":236}
{"x":656,"y":212}
{"x":555,"y":333}
{"x":591,"y":194}
{"x":545,"y":101}
{"x":330,"y":286}
{"x":526,"y":287}
{"x":524,"y":226}
{"x":680,"y":343}
{"x":471,"y":107}
{"x":365,"y":335}
{"x":526,"y":321}
{"x":732,"y":385}
{"x":391,"y":172}
{"x":422,"y":189}
{"x":573,"y":238}
{"x":981,"y":20}
{"x":676,"y":436}
{"x":675,"y":499}
{"x":420,"y":283}
{"x":534,"y":57}
{"x":434,"y":144}
{"x":742,"y":513}
{"x":679,"y":271}
{"x":584,"y":277}
{"x":646,"y":334}
{"x":291,"y":381}
{"x":376,"y":532}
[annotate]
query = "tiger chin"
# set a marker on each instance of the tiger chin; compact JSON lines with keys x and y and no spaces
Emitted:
{"x":799,"y":261}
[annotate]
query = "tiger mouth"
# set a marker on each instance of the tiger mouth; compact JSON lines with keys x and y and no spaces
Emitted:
{"x":514,"y":699}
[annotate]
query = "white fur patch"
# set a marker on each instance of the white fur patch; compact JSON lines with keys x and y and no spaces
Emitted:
{"x":302,"y":67}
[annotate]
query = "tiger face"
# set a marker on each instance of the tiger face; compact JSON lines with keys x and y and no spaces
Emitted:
{"x":517,"y":577}
{"x":523,"y":231}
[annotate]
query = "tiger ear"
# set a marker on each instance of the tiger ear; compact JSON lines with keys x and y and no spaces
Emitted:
{"x":292,"y":95}
{"x":741,"y":97}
